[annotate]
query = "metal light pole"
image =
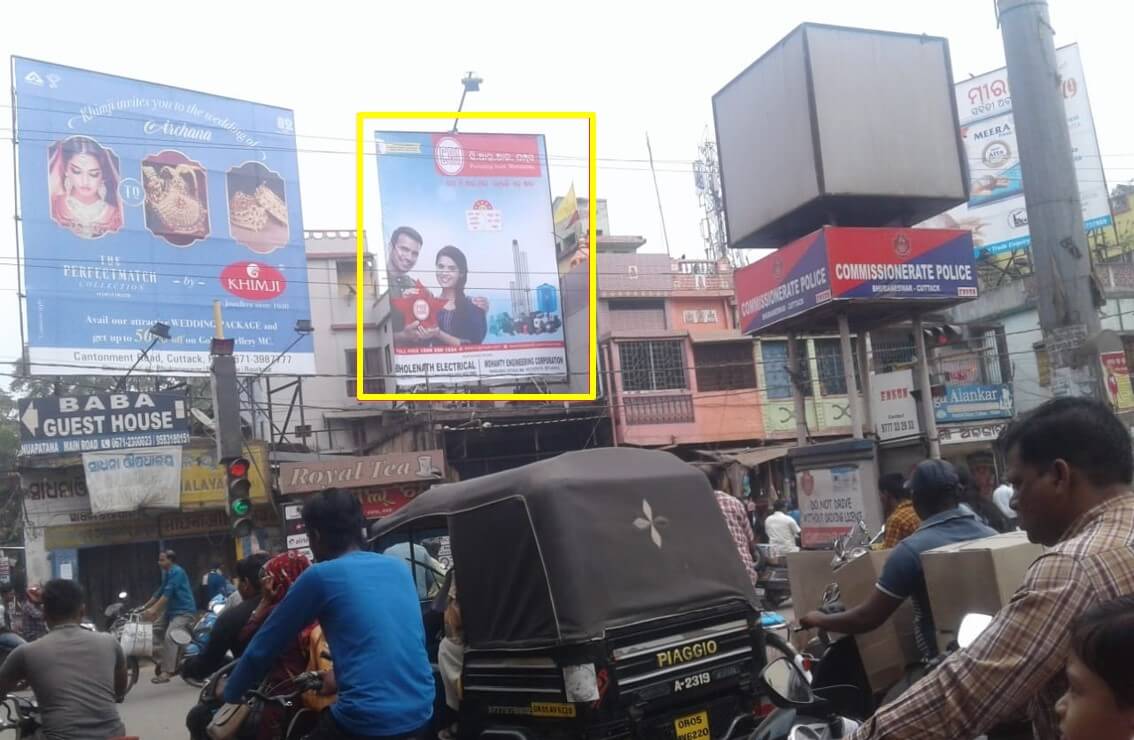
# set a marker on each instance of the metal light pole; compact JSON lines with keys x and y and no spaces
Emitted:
{"x":471,"y":84}
{"x":158,"y":331}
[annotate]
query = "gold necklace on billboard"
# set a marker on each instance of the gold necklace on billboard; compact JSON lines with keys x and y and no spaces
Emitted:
{"x":253,"y":211}
{"x":172,"y":193}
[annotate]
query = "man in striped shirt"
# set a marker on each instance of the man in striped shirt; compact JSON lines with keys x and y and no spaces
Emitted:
{"x":1071,"y":464}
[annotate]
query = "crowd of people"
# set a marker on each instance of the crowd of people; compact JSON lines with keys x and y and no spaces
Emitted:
{"x":1060,"y":651}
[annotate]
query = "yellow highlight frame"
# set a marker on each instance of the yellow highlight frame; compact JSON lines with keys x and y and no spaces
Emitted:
{"x":592,"y":298}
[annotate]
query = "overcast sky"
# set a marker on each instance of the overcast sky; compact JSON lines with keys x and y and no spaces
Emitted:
{"x":640,"y":68}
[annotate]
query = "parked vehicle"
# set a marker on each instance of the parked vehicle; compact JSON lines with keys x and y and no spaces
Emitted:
{"x":597,"y":598}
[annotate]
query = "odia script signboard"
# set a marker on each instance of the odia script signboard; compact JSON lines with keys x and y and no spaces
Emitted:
{"x":107,"y":421}
{"x":359,"y":472}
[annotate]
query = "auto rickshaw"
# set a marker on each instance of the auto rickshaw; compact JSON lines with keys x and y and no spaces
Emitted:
{"x":601,"y":595}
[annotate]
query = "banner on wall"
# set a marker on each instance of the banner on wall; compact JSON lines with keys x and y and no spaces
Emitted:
{"x":1117,"y":377}
{"x":143,"y":203}
{"x":129,"y":481}
{"x":470,"y":258}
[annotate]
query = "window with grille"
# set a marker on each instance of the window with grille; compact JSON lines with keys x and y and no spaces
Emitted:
{"x":724,"y":366}
{"x":652,"y":366}
{"x":372,"y":371}
{"x":829,"y":361}
{"x":777,"y":379}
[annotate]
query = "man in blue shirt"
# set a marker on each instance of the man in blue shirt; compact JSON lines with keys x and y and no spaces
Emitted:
{"x":368,"y":607}
{"x":936,"y":491}
{"x":175,"y":597}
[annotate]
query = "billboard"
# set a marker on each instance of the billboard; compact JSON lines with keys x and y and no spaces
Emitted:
{"x":855,"y":264}
{"x":470,"y":258}
{"x":996,"y":212}
{"x":142,"y":203}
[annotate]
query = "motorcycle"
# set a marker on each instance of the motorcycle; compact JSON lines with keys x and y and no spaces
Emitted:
{"x":118,"y":617}
{"x":284,"y":694}
{"x":771,"y":566}
{"x":20,"y":714}
{"x":802,"y":713}
{"x":198,"y":635}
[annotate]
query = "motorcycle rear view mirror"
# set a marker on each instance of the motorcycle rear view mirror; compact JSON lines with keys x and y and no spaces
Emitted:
{"x":787,"y":686}
{"x":180,"y":636}
{"x":971,"y":627}
{"x":112,"y":610}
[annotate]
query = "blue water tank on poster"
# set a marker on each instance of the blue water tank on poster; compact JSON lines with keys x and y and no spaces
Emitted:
{"x":547,"y":298}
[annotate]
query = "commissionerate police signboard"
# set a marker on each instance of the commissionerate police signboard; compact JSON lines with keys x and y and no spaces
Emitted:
{"x":107,"y":421}
{"x":831,"y":265}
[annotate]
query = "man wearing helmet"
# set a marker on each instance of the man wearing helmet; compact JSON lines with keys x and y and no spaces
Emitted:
{"x":935,"y":489}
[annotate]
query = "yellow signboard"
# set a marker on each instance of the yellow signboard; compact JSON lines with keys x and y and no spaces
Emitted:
{"x":203,"y":479}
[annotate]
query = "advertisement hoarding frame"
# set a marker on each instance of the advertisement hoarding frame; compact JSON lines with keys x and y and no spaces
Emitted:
{"x":51,"y":367}
{"x":360,"y":129}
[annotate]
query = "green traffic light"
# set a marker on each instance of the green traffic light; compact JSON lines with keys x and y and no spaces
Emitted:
{"x":241,"y":507}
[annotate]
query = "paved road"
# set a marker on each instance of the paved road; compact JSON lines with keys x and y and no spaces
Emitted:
{"x":151,"y":712}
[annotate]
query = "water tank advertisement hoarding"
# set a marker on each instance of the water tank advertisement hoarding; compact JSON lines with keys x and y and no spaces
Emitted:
{"x":470,"y":258}
{"x":142,"y":203}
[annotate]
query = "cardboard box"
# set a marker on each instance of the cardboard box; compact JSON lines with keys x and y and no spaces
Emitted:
{"x":809,"y":572}
{"x":887,"y":651}
{"x":975,"y":576}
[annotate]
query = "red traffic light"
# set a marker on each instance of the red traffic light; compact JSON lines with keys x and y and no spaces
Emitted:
{"x":238,"y":468}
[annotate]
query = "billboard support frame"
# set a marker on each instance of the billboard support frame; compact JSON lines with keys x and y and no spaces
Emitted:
{"x":16,"y":219}
{"x":592,"y":299}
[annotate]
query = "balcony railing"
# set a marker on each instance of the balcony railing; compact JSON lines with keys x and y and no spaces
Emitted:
{"x":668,"y":409}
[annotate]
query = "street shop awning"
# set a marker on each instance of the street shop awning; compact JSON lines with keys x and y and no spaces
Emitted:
{"x":748,"y":457}
{"x":874,"y":277}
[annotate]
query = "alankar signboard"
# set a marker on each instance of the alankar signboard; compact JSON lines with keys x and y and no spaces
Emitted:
{"x":107,"y":421}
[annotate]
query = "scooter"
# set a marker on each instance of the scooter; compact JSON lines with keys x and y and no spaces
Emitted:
{"x":773,"y":576}
{"x":21,"y":715}
{"x":117,"y":616}
{"x":802,"y":713}
{"x":200,"y":632}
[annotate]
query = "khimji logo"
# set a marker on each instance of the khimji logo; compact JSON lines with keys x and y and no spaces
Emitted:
{"x":253,"y":281}
{"x":901,"y":245}
{"x":450,"y":156}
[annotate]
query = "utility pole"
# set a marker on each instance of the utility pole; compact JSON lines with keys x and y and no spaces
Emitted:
{"x":1068,"y":311}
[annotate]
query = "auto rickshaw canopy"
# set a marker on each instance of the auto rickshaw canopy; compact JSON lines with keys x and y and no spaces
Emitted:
{"x":561,"y":550}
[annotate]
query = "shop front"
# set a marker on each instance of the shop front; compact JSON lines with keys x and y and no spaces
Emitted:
{"x":970,"y":419}
{"x":382,"y":483}
{"x":113,"y":552}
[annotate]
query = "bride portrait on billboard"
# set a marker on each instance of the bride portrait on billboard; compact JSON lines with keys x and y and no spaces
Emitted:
{"x":83,"y":180}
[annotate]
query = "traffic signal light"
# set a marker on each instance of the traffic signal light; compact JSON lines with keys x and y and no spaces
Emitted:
{"x":239,"y":497}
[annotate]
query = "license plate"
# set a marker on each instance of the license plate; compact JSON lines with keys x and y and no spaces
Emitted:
{"x":692,"y":726}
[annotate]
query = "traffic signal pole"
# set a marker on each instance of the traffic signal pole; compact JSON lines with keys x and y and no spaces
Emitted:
{"x":230,"y":436}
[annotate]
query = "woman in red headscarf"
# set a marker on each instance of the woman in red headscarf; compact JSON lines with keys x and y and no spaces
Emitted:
{"x":276,"y":577}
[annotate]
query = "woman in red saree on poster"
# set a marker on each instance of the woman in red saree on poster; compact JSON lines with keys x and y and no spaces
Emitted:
{"x":83,"y":182}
